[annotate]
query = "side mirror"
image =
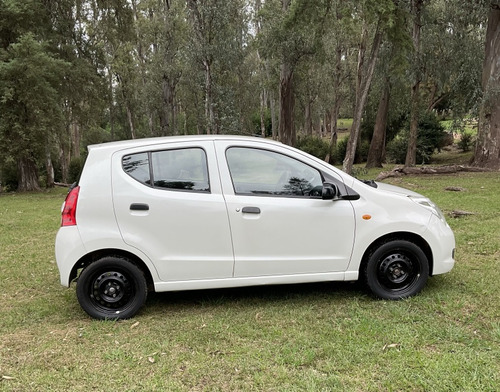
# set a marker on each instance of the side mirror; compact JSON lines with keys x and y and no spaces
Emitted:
{"x":329,"y":191}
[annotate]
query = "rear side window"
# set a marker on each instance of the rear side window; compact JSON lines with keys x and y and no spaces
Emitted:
{"x":184,"y":169}
{"x":181,"y":169}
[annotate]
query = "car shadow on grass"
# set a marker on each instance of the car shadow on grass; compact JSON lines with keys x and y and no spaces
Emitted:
{"x":256,"y":295}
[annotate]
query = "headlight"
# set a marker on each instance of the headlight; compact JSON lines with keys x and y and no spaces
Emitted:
{"x":427,"y":203}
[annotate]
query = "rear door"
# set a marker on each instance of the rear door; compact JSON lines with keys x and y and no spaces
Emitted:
{"x":169,"y":204}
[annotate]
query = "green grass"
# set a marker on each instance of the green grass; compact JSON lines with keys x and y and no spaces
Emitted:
{"x":328,"y":336}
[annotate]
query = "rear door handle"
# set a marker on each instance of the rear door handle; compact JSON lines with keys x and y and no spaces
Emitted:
{"x":139,"y":207}
{"x":251,"y":210}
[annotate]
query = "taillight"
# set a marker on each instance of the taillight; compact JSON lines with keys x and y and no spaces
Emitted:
{"x":69,"y":208}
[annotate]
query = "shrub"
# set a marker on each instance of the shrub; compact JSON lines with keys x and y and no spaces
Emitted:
{"x":313,"y":145}
{"x":430,"y":137}
{"x":361,"y":151}
{"x":8,"y":176}
{"x":466,"y":141}
{"x":75,"y":168}
{"x":255,"y":119}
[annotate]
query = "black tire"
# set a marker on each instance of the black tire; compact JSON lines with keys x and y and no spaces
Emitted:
{"x":397,"y":269}
{"x":111,"y":288}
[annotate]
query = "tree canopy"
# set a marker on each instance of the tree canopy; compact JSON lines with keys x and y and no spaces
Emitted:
{"x":78,"y":72}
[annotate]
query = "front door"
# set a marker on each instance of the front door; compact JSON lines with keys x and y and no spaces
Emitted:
{"x":279,"y":223}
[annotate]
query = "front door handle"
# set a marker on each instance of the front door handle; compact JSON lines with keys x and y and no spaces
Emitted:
{"x":251,"y":210}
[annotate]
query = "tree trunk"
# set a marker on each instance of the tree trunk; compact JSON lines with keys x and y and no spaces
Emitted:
{"x":363,"y":86}
{"x":75,"y":140}
{"x":286,"y":125}
{"x":411,"y":153}
{"x":49,"y":167}
{"x":487,"y":152}
{"x":111,"y":104}
{"x":377,"y":146}
{"x":308,"y":126}
{"x":165,"y":111}
{"x":65,"y":154}
{"x":337,"y":77}
{"x":209,"y":110}
{"x":128,"y":106}
{"x":27,"y":175}
{"x":272,"y":107}
{"x":262,"y":113}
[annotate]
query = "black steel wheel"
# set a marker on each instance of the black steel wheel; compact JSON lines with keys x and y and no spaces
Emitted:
{"x":111,"y":288}
{"x":397,"y":269}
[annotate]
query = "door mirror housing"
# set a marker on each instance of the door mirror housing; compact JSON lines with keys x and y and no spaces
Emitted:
{"x":329,"y":191}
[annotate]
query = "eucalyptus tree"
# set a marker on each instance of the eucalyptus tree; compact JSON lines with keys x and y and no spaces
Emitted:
{"x":487,"y":152}
{"x":452,"y":51}
{"x":31,"y":76}
{"x":217,"y":40}
{"x":161,"y":34}
{"x":83,"y":87}
{"x":294,"y":31}
{"x":411,"y":153}
{"x":389,"y":73}
{"x":446,"y":61}
{"x":374,"y":18}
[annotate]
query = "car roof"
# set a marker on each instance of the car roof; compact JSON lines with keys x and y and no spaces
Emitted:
{"x":122,"y":144}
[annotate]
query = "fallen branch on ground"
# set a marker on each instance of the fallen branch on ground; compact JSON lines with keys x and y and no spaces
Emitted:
{"x":402,"y":171}
{"x":62,"y":184}
{"x":459,"y":213}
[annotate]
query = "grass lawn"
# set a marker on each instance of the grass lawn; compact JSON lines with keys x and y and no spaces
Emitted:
{"x":314,"y":337}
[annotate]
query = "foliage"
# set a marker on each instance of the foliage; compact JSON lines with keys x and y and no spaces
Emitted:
{"x":314,"y":145}
{"x":75,"y":168}
{"x":431,"y":135}
{"x":361,"y":151}
{"x":8,"y":177}
{"x":466,"y":141}
{"x":256,"y":123}
{"x":74,"y":72}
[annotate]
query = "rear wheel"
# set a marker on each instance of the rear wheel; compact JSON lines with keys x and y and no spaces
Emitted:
{"x":397,"y":269}
{"x":112,"y":288}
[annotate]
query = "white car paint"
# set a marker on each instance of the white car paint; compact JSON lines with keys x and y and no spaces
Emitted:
{"x":191,"y":240}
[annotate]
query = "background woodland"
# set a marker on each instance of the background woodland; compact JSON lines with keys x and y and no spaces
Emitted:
{"x":78,"y":72}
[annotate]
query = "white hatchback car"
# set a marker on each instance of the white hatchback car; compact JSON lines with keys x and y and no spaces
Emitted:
{"x":184,"y":213}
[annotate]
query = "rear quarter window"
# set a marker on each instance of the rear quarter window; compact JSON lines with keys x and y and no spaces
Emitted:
{"x":137,"y":167}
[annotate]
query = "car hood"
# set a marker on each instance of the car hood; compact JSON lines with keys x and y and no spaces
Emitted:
{"x":396,"y":189}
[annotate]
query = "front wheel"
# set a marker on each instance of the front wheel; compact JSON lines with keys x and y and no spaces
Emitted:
{"x":397,"y":269}
{"x":111,"y":288}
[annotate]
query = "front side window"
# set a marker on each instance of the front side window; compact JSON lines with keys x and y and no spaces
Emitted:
{"x":183,"y":169}
{"x":262,"y":172}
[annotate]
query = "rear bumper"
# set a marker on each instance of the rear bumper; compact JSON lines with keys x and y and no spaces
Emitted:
{"x":69,"y":249}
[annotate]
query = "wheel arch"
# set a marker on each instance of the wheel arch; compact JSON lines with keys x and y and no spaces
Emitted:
{"x":91,"y":257}
{"x":402,"y":235}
